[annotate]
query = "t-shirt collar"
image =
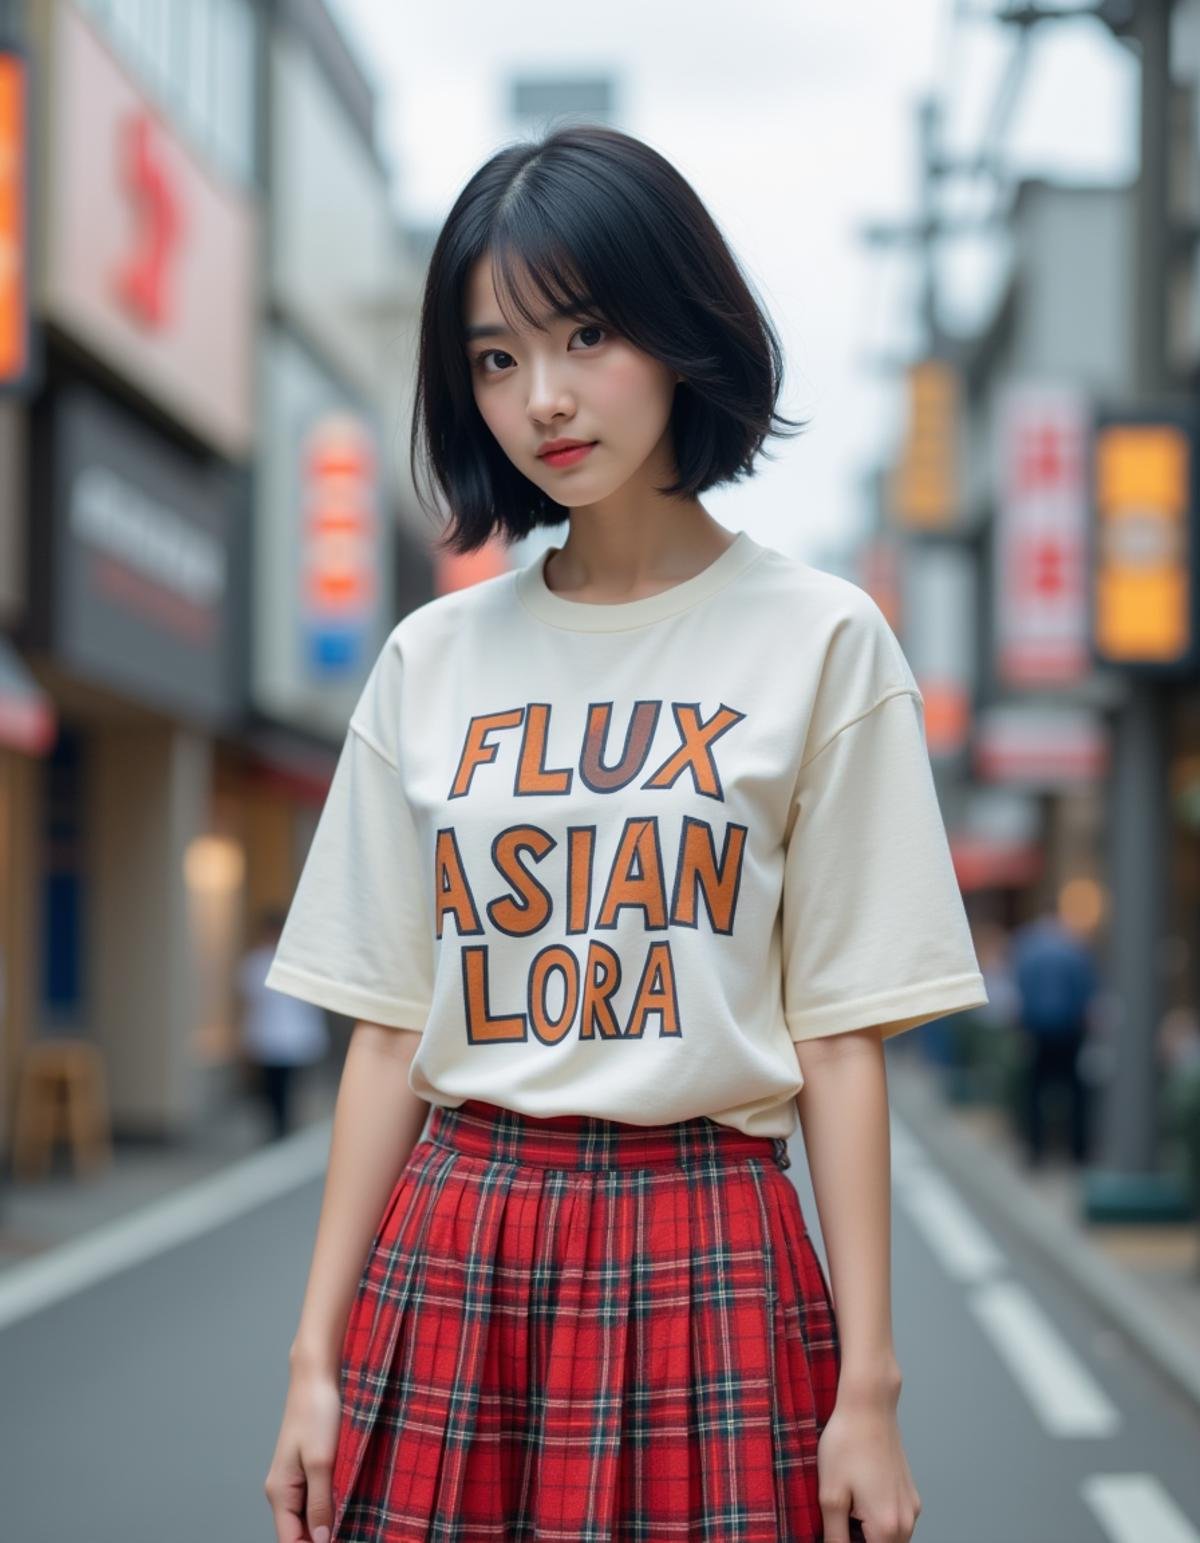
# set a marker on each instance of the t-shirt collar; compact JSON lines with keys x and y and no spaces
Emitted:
{"x":589,"y":616}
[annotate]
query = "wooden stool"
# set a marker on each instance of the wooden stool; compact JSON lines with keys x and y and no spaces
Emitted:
{"x":61,"y":1091}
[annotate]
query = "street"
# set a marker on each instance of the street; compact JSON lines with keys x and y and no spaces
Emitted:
{"x":145,"y":1406}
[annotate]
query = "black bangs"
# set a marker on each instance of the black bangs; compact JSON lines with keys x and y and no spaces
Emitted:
{"x":524,"y":265}
{"x":594,"y":224}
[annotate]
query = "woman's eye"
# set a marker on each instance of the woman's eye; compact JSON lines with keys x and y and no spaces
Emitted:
{"x":481,"y":359}
{"x":499,"y":353}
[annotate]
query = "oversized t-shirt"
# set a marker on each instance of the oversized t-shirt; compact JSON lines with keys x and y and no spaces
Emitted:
{"x":616,"y":859}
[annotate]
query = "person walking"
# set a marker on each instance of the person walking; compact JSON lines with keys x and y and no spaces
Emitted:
{"x":631,"y":864}
{"x":1056,"y":983}
{"x":280,"y":1035}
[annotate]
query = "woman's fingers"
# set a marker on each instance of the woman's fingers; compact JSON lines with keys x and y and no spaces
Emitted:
{"x":320,"y":1501}
{"x":287,"y":1508}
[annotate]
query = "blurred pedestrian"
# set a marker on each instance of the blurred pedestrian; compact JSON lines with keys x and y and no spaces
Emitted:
{"x":280,"y":1034}
{"x":1056,"y":984}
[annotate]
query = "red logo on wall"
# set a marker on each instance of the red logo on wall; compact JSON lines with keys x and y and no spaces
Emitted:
{"x":143,"y":280}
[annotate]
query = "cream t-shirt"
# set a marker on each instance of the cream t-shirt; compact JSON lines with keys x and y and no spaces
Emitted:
{"x":614,"y":859}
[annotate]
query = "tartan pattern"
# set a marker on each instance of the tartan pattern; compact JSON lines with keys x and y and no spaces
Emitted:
{"x":577,"y":1330}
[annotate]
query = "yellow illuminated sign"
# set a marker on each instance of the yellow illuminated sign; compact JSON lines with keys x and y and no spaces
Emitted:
{"x":924,"y":491}
{"x":1143,"y":505}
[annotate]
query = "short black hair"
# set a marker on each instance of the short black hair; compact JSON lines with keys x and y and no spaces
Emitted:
{"x":607,"y":228}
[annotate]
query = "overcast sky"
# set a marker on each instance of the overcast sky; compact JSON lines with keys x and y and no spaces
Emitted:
{"x":794,"y":121}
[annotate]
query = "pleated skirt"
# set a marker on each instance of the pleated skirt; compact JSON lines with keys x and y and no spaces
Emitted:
{"x":580,"y":1330}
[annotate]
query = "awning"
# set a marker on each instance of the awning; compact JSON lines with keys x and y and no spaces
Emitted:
{"x":28,"y":721}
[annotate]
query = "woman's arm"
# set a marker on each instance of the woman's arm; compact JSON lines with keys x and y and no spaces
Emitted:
{"x":377,"y":1122}
{"x":843,"y":1108}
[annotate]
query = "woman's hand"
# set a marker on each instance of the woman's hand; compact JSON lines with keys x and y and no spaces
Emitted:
{"x":299,"y":1484}
{"x":862,"y":1467}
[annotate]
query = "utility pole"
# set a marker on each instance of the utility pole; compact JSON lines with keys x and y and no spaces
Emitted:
{"x":1126,"y":1184}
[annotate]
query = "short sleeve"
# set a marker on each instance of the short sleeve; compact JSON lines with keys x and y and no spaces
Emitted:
{"x":874,"y":927}
{"x":358,"y":937}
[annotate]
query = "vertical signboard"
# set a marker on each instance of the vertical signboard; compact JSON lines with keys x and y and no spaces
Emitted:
{"x":323,"y":598}
{"x":15,"y":362}
{"x":340,"y":536}
{"x":1143,"y":587}
{"x":1041,"y":596}
{"x":925,"y":489}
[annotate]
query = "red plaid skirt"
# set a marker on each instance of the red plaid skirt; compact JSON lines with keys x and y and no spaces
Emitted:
{"x":580,"y":1329}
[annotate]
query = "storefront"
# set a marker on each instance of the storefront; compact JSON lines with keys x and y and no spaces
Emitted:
{"x":28,"y":727}
{"x":138,"y":567}
{"x":136,"y":518}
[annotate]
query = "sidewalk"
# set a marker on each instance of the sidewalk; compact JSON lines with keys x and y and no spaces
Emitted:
{"x":1143,"y":1279}
{"x":37,"y":1215}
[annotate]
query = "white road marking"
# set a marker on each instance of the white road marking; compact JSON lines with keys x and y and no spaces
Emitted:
{"x":962,"y":1244}
{"x":1066,"y":1397}
{"x":1135,"y":1507}
{"x":38,"y":1283}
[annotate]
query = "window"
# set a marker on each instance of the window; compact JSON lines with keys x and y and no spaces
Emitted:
{"x":198,"y":61}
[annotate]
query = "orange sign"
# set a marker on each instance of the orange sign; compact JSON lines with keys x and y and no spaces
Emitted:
{"x":14,"y":300}
{"x":1143,"y":597}
{"x":924,"y":491}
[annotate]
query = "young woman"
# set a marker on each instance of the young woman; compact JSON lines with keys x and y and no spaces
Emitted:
{"x":631,"y":862}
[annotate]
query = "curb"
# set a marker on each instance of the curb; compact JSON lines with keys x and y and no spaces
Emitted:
{"x":1118,"y":1297}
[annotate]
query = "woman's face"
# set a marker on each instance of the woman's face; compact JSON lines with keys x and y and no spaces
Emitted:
{"x":574,"y":380}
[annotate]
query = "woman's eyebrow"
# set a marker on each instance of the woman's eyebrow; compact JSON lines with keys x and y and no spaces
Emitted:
{"x":495,"y":329}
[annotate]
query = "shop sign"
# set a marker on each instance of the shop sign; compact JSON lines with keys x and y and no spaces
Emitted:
{"x":340,"y":535}
{"x":1144,"y":547}
{"x":1040,"y":745}
{"x":16,"y":354}
{"x":142,"y":558}
{"x":149,"y":256}
{"x":925,"y":488}
{"x":1041,"y":599}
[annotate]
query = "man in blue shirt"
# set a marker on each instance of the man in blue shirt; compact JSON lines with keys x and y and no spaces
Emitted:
{"x":1056,"y":982}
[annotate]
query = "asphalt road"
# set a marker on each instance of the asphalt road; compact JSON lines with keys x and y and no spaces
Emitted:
{"x":142,"y":1404}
